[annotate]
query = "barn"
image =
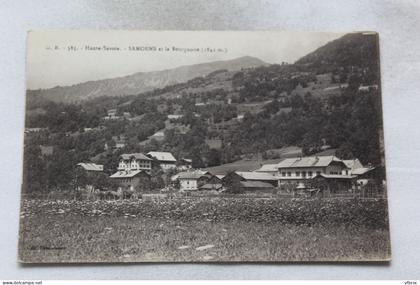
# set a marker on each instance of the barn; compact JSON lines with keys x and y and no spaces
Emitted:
{"x":213,"y":183}
{"x":239,"y":182}
{"x":333,"y":183}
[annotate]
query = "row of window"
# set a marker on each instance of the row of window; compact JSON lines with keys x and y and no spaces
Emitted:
{"x":141,"y":165}
{"x":308,"y":173}
{"x":135,"y":166}
{"x":299,"y":173}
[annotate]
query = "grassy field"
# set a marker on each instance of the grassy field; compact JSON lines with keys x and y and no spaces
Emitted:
{"x":203,"y":230}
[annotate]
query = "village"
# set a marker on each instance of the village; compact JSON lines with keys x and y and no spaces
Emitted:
{"x":236,"y":160}
{"x":302,"y":176}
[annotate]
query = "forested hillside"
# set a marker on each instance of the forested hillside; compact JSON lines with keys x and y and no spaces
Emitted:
{"x":356,"y":52}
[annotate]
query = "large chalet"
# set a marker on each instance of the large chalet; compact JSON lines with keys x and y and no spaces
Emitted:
{"x":165,"y":159}
{"x":135,"y":161}
{"x":133,"y":171}
{"x":298,"y":169}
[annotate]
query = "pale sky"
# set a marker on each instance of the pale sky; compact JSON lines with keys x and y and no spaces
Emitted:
{"x":47,"y":67}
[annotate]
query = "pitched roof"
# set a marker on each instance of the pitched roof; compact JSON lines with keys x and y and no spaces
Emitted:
{"x":268,"y":168}
{"x":187,"y":160}
{"x":335,"y":176}
{"x":127,"y":173}
{"x":174,"y":116}
{"x":162,"y":156}
{"x":191,"y":174}
{"x":138,"y":155}
{"x":91,"y":166}
{"x":362,"y":170}
{"x":248,"y":175}
{"x":353,"y":163}
{"x":158,"y":134}
{"x":309,"y":161}
{"x":256,"y":184}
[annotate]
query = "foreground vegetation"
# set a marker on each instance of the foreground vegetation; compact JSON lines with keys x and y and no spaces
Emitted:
{"x":217,"y":229}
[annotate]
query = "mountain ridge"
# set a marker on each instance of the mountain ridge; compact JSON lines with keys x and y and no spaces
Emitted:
{"x":140,"y":82}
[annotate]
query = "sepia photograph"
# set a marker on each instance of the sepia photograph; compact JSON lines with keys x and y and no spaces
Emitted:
{"x":203,"y":146}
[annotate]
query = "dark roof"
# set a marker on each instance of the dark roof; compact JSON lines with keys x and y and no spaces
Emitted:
{"x":256,"y":184}
{"x":191,"y":174}
{"x":251,"y":175}
{"x":327,"y":152}
{"x":211,"y":186}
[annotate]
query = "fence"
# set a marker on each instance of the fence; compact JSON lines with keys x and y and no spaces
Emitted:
{"x":364,"y":192}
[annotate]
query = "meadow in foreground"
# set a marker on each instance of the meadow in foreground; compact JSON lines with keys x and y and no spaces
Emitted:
{"x":206,"y":230}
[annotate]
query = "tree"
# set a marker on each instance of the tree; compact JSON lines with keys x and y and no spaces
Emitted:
{"x":157,"y":182}
{"x":213,"y":157}
{"x":34,"y":170}
{"x":81,"y":179}
{"x":102,"y":181}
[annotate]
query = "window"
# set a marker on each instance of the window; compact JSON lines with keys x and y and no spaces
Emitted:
{"x":289,"y":173}
{"x":347,"y":172}
{"x":297,"y":173}
{"x":318,"y":172}
{"x":283,"y":174}
{"x":304,"y":173}
{"x":310,"y":173}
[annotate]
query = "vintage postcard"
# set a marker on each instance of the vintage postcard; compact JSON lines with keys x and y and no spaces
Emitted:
{"x":173,"y":146}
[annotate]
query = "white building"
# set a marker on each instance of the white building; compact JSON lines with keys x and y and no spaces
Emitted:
{"x":192,"y":180}
{"x":301,"y":168}
{"x":134,"y":161}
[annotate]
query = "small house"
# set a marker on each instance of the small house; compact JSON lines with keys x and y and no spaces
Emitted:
{"x":159,"y":136}
{"x":333,"y":183}
{"x":138,"y":180}
{"x":90,"y":167}
{"x":213,"y":183}
{"x":184,"y":164}
{"x":192,"y":180}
